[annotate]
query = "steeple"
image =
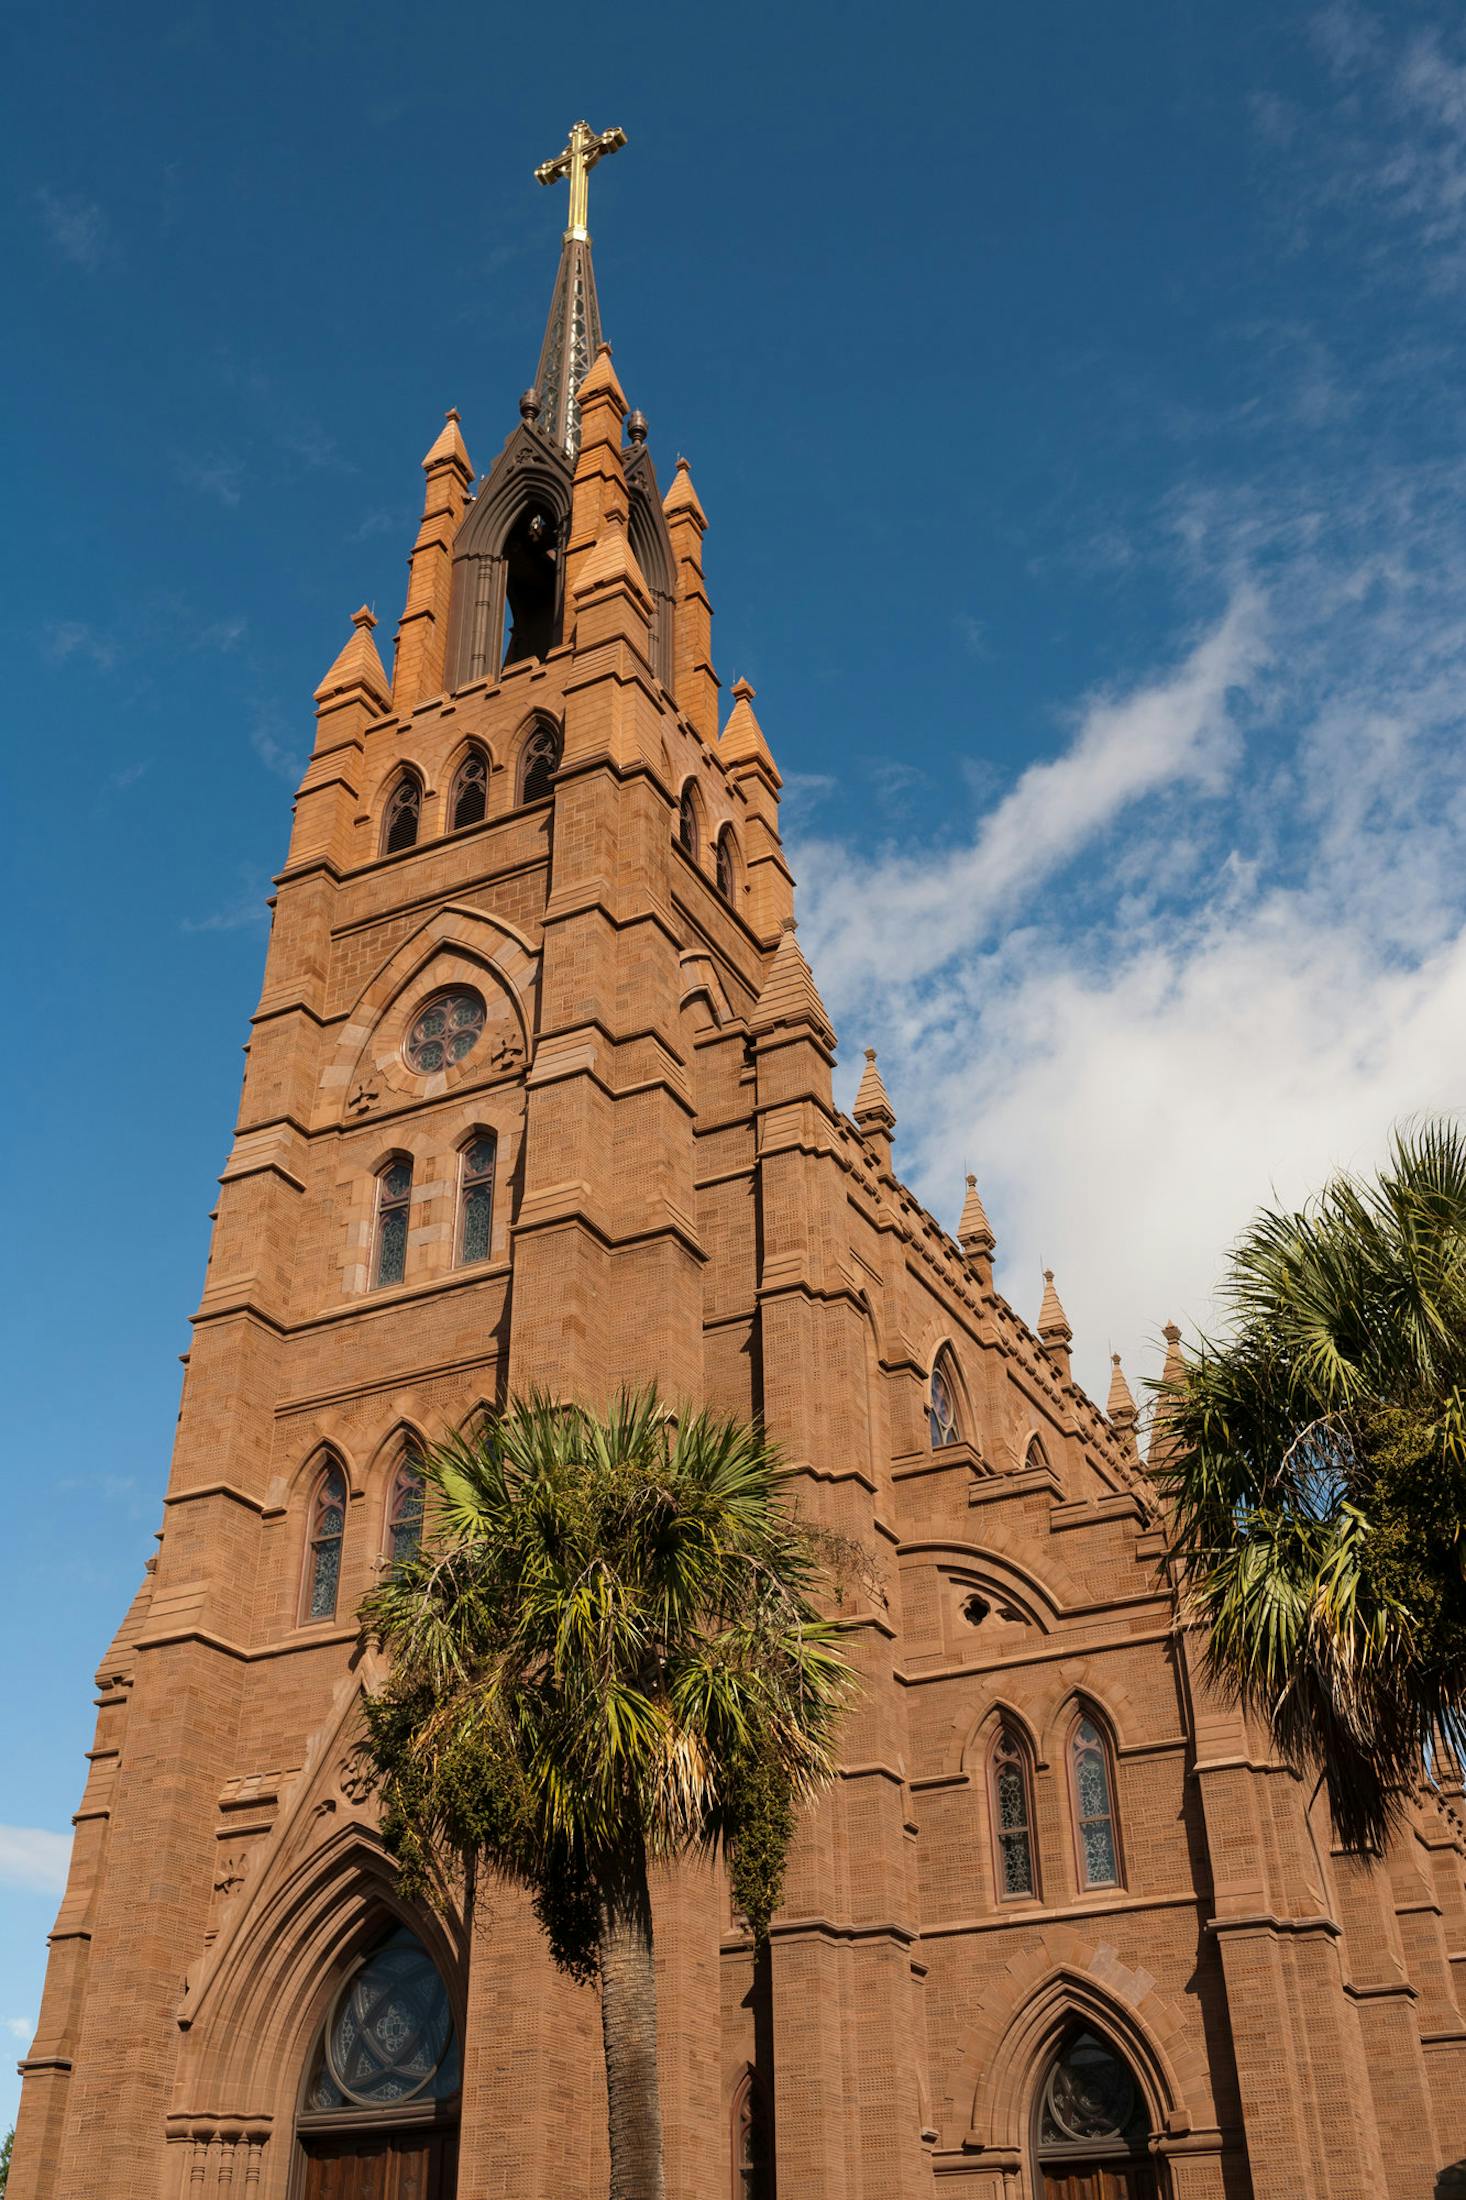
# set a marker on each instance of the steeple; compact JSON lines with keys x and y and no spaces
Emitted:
{"x":573,"y":331}
{"x":1053,"y":1326}
{"x":1120,"y":1407}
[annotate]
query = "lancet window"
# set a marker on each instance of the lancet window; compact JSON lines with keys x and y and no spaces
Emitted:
{"x":1093,"y":1787}
{"x":1012,"y":1808}
{"x":727,"y":864}
{"x":538,"y":764}
{"x":327,"y":1532}
{"x":403,"y":816}
{"x":469,"y":801}
{"x":476,"y":1197}
{"x":394,"y":1202}
{"x":404,"y":1513}
{"x":942,"y":1403}
{"x":687,"y":822}
{"x":752,"y":2151}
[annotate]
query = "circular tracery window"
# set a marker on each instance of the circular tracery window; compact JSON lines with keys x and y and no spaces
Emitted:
{"x":390,"y":2037}
{"x":1090,"y":2096}
{"x":446,"y":1031}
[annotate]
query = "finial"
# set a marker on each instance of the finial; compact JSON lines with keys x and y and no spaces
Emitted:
{"x":583,"y":148}
{"x":452,"y":413}
{"x":974,"y":1231}
{"x":529,"y":406}
{"x":636,"y":427}
{"x":603,"y":347}
{"x":870,"y":1054}
{"x":684,"y":465}
{"x":971,"y":1181}
{"x":788,"y":924}
{"x":741,"y":691}
{"x":364,"y":617}
{"x":873,"y":1110}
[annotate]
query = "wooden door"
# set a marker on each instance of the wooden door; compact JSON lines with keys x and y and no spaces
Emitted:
{"x":1100,"y":2181}
{"x":388,"y":2165}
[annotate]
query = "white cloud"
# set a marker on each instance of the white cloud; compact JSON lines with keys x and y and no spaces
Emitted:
{"x":216,"y":477}
{"x":1214,"y":947}
{"x":65,"y":639}
{"x":22,"y":2029}
{"x":34,"y":1859}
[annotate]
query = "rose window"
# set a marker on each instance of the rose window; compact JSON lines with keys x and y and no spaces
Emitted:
{"x":446,"y":1031}
{"x":390,"y":2038}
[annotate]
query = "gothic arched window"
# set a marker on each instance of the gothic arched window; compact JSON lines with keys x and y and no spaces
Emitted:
{"x":323,"y":1555}
{"x":1036,"y":1457}
{"x":403,"y":814}
{"x":404,"y":1513}
{"x":1090,"y":2112}
{"x":1093,"y":1788}
{"x":752,"y":2148}
{"x":468,"y":804}
{"x":1012,"y":1808}
{"x":538,"y":763}
{"x":389,"y":2039}
{"x":394,"y":1200}
{"x":727,"y":863}
{"x":687,"y":833}
{"x":942,"y":1403}
{"x":476,"y":1197}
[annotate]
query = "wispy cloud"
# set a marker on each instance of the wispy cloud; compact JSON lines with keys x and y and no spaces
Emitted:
{"x":220,"y":634}
{"x":243,"y":911}
{"x":267,"y":725}
{"x":34,"y":1859}
{"x":76,"y":639}
{"x":75,"y":226}
{"x":126,"y":775}
{"x":21,"y":2028}
{"x":218,"y":477}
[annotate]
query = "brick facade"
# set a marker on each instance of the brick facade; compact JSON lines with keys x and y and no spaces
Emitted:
{"x":678,"y":1197}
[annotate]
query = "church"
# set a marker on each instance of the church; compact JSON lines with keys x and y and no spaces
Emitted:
{"x":538,"y":1094}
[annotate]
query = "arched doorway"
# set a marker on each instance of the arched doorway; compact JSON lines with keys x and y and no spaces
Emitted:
{"x":1090,"y":2125}
{"x":378,"y":2116}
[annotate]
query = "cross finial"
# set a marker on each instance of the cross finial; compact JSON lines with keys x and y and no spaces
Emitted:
{"x":583,"y":149}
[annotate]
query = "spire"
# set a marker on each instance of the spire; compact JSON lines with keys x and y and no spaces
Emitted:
{"x":1173,"y":1375}
{"x":1053,"y":1325}
{"x":694,"y":681}
{"x":357,"y":666}
{"x":790,"y":995}
{"x":873,"y":1109}
{"x":573,"y":330}
{"x":743,"y":737}
{"x":1120,"y":1405}
{"x":974,"y":1231}
{"x":417,"y":667}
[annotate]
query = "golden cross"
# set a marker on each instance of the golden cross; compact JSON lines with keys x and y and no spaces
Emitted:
{"x":585,"y":147}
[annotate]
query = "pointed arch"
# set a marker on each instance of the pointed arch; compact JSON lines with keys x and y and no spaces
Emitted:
{"x":690,"y":834}
{"x":540,"y":749}
{"x":402,"y":813}
{"x":1011,"y":1817}
{"x":751,"y":2150}
{"x":528,"y":479}
{"x":325,"y":1542}
{"x":1094,"y":1812}
{"x":1036,"y":1456}
{"x":945,"y":1404}
{"x":651,"y":546}
{"x":728,"y":866}
{"x":468,"y":789}
{"x":391,"y":1222}
{"x":473,"y":1226}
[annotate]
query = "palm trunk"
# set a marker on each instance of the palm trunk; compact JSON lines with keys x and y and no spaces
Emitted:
{"x":629,"y":2036}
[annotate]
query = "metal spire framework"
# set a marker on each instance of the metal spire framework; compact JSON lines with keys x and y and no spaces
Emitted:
{"x":573,"y":331}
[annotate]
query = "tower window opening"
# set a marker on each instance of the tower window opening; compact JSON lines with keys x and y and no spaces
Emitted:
{"x":727,"y":867}
{"x":404,"y":814}
{"x":539,"y":764}
{"x":1012,"y":1808}
{"x":531,"y":586}
{"x":404,"y":1513}
{"x":687,"y":822}
{"x":327,"y":1532}
{"x":476,"y":1199}
{"x":470,"y":798}
{"x":394,"y":1199}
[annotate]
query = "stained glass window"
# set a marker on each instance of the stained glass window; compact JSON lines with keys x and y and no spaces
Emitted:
{"x":394,"y":1201}
{"x":942,"y":1400}
{"x":399,"y":827}
{"x":687,"y":823}
{"x":1090,"y":2099}
{"x":446,"y":1030}
{"x":1094,"y":1809}
{"x":538,"y":765}
{"x":470,"y":800}
{"x":476,"y":1204}
{"x":1012,"y":1816}
{"x":328,"y":1527}
{"x":390,"y":2037}
{"x":1036,"y":1456}
{"x":404,"y":1514}
{"x":727,"y":868}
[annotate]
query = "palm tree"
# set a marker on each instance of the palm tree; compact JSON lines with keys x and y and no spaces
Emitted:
{"x":605,"y":1654}
{"x":1315,"y":1462}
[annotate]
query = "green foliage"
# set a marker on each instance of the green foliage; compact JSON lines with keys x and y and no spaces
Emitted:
{"x":606,"y":1651}
{"x":1317,"y":1479}
{"x":5,"y":2146}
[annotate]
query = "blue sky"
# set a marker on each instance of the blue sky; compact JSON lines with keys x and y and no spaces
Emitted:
{"x":1076,"y":398}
